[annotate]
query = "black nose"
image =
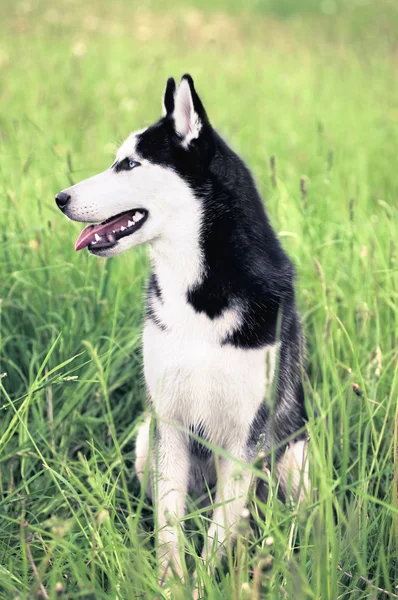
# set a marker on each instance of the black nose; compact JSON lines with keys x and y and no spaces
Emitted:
{"x":62,"y":199}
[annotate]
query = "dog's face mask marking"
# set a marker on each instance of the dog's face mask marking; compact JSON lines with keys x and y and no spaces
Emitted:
{"x":145,"y":194}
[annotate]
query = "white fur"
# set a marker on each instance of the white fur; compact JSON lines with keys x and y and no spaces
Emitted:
{"x":293,"y":471}
{"x":193,"y":380}
{"x":142,"y":450}
{"x":174,"y":212}
{"x":186,"y":119}
{"x":129,"y":146}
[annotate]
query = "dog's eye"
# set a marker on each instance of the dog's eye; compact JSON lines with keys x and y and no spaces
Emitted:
{"x":126,"y":165}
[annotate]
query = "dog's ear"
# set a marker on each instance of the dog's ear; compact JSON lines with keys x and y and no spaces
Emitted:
{"x":168,"y":98}
{"x":189,"y":115}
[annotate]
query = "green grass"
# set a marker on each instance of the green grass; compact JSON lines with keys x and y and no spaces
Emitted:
{"x":312,"y":84}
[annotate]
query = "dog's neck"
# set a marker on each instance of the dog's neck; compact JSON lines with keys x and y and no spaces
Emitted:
{"x":178,"y":262}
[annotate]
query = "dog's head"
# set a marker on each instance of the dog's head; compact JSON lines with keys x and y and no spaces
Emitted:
{"x":148,"y":191}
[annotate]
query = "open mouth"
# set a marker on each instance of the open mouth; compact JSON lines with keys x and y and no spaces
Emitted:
{"x":106,"y":234}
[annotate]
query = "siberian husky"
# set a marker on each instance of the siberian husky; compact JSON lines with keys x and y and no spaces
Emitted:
{"x":222,"y":340}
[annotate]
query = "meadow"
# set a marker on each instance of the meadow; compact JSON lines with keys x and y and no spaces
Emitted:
{"x":307,"y":93}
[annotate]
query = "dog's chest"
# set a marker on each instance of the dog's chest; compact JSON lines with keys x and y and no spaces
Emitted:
{"x":195,"y":379}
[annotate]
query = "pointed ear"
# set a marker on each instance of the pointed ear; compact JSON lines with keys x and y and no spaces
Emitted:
{"x":168,"y":98}
{"x":189,"y":114}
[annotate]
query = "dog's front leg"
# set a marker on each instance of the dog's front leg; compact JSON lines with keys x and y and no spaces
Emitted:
{"x":171,"y":485}
{"x":233,"y":485}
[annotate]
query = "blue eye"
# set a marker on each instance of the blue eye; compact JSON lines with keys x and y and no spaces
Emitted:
{"x":126,"y":165}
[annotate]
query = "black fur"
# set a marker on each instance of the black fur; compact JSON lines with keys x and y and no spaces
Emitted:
{"x":246,"y":267}
{"x":168,"y":100}
{"x":196,"y":447}
{"x":154,"y":290}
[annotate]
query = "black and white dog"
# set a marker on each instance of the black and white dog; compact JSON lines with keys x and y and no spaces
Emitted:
{"x":222,"y":340}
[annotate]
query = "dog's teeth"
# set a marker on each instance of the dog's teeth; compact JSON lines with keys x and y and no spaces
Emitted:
{"x":92,"y":243}
{"x":97,"y":237}
{"x":110,"y":237}
{"x":130,"y":223}
{"x":113,"y":230}
{"x":122,"y":228}
{"x":137,"y":217}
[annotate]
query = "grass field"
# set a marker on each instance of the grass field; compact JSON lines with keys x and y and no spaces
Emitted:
{"x":313,"y":84}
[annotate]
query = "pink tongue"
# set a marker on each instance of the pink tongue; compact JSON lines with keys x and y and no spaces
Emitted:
{"x":84,"y":238}
{"x":88,"y":234}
